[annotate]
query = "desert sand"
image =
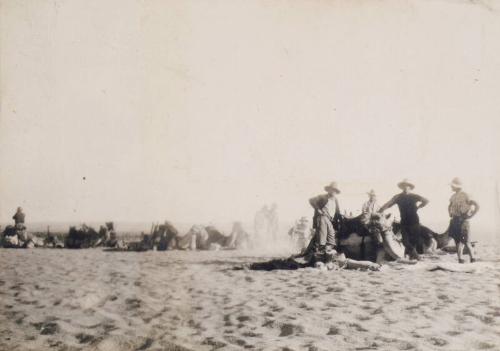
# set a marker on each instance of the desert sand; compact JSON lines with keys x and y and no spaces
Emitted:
{"x":174,"y":300}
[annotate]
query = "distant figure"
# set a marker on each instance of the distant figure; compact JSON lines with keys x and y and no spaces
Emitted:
{"x":239,"y":238}
{"x":273,"y":222}
{"x":261,"y":225}
{"x":299,"y":232}
{"x":111,"y":239}
{"x":461,"y":209}
{"x":370,"y":206}
{"x":408,"y":205}
{"x":326,"y":211}
{"x":19,"y":218}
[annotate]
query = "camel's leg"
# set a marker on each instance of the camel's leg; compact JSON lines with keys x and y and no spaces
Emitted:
{"x":431,"y":248}
{"x":353,"y":264}
{"x":381,"y":256}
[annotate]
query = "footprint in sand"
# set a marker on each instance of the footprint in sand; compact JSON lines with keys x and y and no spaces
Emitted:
{"x":251,"y":334}
{"x":331,"y":305}
{"x":146,"y":344}
{"x":85,"y":338}
{"x":438,"y":341}
{"x":363,"y":318}
{"x":453,"y":333}
{"x":133,"y":303}
{"x":485,"y":346}
{"x":235,"y":341}
{"x":47,"y":328}
{"x":335,"y":289}
{"x":277,"y":308}
{"x":227,"y":320}
{"x":288,"y":329}
{"x":215,"y":344}
{"x":333,"y":331}
{"x":357,"y":327}
{"x":243,"y":318}
{"x":249,"y":279}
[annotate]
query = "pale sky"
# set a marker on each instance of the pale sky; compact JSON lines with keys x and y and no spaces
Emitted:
{"x":204,"y":111}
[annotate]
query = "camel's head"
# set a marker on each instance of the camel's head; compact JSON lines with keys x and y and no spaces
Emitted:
{"x":381,"y":223}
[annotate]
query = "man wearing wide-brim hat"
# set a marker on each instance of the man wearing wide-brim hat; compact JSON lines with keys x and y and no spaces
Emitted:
{"x":326,"y":211}
{"x":408,"y":204}
{"x":461,"y":209}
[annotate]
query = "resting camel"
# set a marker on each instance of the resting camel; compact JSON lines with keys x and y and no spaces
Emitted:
{"x":376,"y":239}
{"x":210,"y":238}
{"x":18,"y":237}
{"x":359,"y":240}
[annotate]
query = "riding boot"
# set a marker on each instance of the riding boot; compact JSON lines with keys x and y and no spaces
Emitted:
{"x":329,"y":253}
{"x":319,"y":255}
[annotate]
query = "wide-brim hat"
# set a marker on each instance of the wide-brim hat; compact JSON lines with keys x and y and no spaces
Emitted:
{"x":371,"y":193}
{"x":333,"y":186}
{"x":404,"y":182}
{"x":456,"y":182}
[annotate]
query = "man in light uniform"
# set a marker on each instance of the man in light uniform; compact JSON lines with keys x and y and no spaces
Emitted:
{"x":326,"y":211}
{"x":461,"y":209}
{"x":369,"y":207}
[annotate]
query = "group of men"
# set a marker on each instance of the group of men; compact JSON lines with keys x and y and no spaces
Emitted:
{"x":461,"y":208}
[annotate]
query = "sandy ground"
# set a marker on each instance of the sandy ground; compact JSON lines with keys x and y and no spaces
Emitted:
{"x":96,"y":300}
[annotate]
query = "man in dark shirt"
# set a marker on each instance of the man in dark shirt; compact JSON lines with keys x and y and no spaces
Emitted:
{"x":408,"y":205}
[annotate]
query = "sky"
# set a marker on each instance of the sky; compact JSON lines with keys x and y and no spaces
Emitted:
{"x":205,"y":111}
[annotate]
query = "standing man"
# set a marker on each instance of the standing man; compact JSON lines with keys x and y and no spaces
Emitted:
{"x":326,"y":210}
{"x":273,"y":222}
{"x":461,"y":209}
{"x":260,"y":226}
{"x":18,"y":218}
{"x":408,"y":204}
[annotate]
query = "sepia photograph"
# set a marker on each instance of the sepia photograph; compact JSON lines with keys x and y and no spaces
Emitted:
{"x":268,"y":175}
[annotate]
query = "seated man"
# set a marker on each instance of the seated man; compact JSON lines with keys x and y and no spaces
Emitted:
{"x":369,"y":207}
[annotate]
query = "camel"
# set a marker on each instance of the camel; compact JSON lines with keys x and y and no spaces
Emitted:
{"x":164,"y":236}
{"x":194,"y":239}
{"x":431,"y":241}
{"x":210,"y":238}
{"x":53,"y":241}
{"x":367,"y":239}
{"x":371,"y":238}
{"x":446,"y":243}
{"x":18,"y":237}
{"x":84,"y":237}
